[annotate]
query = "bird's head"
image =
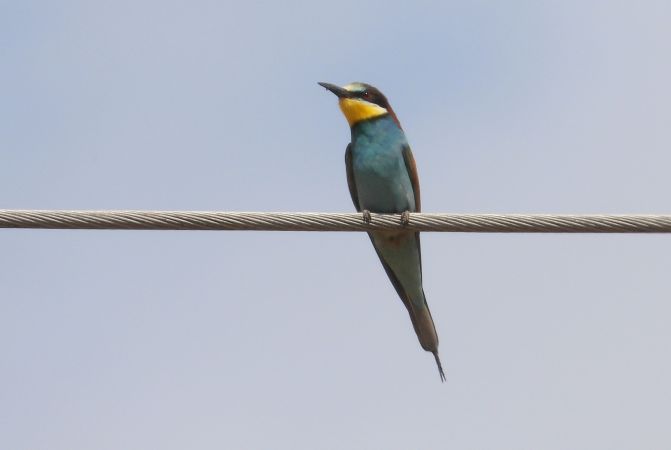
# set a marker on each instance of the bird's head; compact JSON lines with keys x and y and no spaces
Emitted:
{"x":361,"y":101}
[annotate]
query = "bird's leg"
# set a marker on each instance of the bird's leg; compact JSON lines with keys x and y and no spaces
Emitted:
{"x":405,"y":217}
{"x":366,"y":216}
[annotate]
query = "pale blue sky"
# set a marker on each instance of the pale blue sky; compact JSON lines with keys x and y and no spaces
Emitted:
{"x":257,"y":340}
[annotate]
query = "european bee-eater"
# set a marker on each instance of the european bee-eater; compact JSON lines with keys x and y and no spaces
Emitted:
{"x":382,"y":178}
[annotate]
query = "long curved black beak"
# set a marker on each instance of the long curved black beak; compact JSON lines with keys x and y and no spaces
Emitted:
{"x":337,"y":90}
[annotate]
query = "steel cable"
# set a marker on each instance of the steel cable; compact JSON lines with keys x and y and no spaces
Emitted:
{"x":282,"y":221}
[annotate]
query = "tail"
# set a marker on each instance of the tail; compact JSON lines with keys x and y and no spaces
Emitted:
{"x":440,"y":366}
{"x":400,"y":253}
{"x":422,"y":322}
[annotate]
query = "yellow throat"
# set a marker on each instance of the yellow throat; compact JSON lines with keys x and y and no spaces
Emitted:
{"x":356,"y":110}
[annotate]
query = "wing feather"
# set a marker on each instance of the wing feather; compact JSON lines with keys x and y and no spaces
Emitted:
{"x":412,"y":172}
{"x":350,"y":177}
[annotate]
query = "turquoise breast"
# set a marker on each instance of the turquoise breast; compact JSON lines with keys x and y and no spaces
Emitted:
{"x":382,"y":180}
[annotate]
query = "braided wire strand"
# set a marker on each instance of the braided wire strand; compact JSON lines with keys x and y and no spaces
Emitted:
{"x":297,"y":221}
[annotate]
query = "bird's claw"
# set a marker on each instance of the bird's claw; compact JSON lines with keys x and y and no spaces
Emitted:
{"x":405,"y":217}
{"x":366,"y":216}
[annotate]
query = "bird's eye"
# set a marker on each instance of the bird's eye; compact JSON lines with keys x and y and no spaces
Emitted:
{"x":366,"y":95}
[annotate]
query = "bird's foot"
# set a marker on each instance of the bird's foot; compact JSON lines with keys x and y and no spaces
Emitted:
{"x":405,"y":217}
{"x":366,"y":216}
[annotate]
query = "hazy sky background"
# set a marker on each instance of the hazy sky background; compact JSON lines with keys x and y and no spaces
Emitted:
{"x":258,"y":340}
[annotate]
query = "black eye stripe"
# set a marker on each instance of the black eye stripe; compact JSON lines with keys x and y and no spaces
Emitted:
{"x":372,"y":98}
{"x":369,"y":96}
{"x":372,"y":95}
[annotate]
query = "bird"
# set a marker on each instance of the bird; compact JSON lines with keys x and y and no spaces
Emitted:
{"x":382,"y":178}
